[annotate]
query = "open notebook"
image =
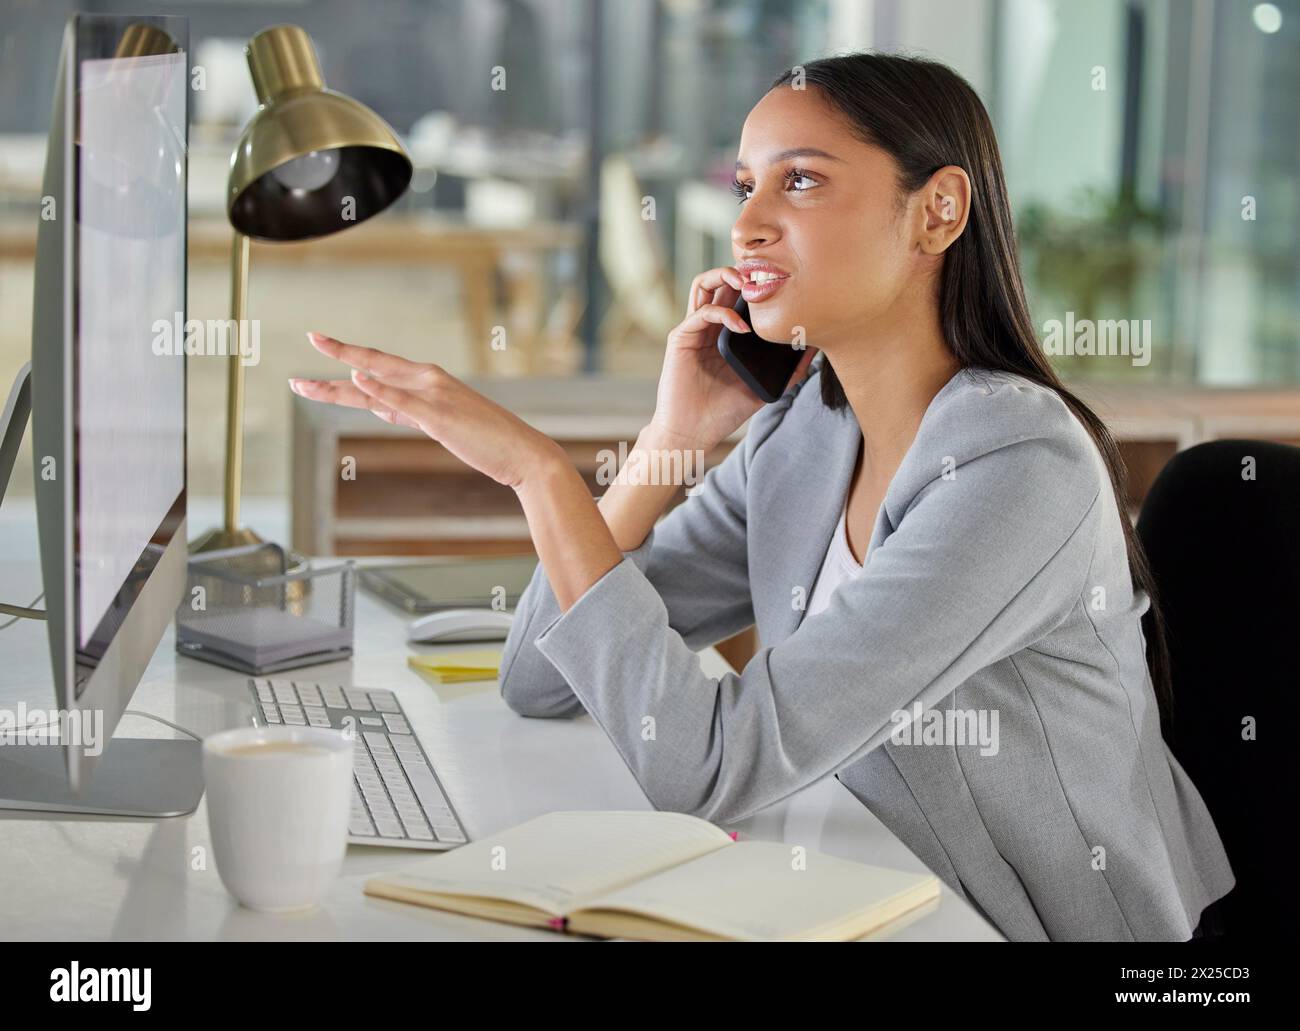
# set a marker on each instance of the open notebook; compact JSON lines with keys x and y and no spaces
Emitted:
{"x":658,"y":876}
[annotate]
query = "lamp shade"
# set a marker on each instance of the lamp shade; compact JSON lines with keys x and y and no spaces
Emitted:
{"x":311,"y":161}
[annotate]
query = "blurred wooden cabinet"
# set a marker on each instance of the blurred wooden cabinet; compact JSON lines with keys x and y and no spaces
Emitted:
{"x":1152,"y":423}
{"x":363,"y":487}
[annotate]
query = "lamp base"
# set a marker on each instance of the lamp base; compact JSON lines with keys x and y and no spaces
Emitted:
{"x":263,"y":563}
{"x":220,"y":538}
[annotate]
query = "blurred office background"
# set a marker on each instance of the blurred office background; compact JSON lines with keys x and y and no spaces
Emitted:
{"x":1151,"y":148}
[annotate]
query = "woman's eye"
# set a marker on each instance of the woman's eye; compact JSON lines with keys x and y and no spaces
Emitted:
{"x":742,"y":191}
{"x":795,"y":175}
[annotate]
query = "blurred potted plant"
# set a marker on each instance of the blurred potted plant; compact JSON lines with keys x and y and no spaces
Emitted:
{"x":1091,"y":258}
{"x":1092,"y":254}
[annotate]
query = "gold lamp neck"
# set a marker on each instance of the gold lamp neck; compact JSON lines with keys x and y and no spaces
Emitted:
{"x":283,"y":60}
{"x":143,"y":40}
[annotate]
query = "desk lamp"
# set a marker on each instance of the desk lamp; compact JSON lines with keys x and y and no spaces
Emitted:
{"x":309,"y":163}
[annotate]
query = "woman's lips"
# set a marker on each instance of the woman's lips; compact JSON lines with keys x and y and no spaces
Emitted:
{"x":756,"y":292}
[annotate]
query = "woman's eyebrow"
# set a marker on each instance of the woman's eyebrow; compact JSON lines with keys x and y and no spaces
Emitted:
{"x":793,"y":152}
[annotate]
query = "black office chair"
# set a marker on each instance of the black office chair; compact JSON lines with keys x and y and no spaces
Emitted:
{"x":1225,"y":553}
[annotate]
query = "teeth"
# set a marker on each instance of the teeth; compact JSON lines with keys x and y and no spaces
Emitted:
{"x":763,"y":277}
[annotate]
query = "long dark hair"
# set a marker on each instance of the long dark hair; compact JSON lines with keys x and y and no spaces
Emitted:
{"x":927,"y":116}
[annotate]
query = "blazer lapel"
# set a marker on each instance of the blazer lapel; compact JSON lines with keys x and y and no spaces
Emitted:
{"x":793,"y":512}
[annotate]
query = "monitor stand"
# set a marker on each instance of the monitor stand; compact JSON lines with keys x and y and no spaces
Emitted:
{"x":13,"y":421}
{"x":150,"y":777}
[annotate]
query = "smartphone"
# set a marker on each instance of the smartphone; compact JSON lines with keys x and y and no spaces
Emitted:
{"x":764,"y":366}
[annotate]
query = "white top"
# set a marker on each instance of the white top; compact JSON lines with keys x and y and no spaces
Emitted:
{"x":838,"y":565}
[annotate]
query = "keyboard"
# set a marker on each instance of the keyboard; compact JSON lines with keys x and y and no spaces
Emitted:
{"x":397,"y":798}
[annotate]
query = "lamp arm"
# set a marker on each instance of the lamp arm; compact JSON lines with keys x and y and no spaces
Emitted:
{"x":235,"y":382}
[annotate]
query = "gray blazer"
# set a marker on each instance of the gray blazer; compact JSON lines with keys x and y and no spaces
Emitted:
{"x":996,"y":586}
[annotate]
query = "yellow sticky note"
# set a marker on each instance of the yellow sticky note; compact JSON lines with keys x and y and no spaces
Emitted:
{"x":461,"y":678}
{"x":455,"y":667}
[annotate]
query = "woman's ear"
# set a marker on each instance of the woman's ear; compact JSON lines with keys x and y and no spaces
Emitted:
{"x":945,"y":207}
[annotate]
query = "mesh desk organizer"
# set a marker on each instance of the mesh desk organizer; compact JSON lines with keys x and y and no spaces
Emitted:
{"x":246,"y":610}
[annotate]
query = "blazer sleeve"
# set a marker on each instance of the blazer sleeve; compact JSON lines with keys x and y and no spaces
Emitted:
{"x":694,"y":562}
{"x":982,"y":563}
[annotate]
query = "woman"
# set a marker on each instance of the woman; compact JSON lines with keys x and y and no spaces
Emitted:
{"x":925,"y":520}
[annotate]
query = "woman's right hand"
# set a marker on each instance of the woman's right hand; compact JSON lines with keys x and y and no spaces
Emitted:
{"x":701,"y":400}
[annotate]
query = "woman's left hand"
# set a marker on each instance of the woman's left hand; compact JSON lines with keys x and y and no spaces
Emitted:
{"x":479,"y":432}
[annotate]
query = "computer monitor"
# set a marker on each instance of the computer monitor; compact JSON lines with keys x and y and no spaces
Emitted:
{"x":108,"y":408}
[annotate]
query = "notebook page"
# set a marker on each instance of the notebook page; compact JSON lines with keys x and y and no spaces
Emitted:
{"x":754,"y":890}
{"x":556,"y":860}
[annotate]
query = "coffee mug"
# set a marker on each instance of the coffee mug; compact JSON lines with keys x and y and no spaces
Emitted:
{"x":278,"y":802}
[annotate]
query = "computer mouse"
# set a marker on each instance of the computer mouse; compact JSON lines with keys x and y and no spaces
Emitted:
{"x":457,"y":625}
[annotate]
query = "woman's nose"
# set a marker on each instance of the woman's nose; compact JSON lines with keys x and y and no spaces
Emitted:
{"x":752,"y":229}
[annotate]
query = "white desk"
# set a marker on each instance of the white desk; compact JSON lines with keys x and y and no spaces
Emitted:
{"x":83,"y":878}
